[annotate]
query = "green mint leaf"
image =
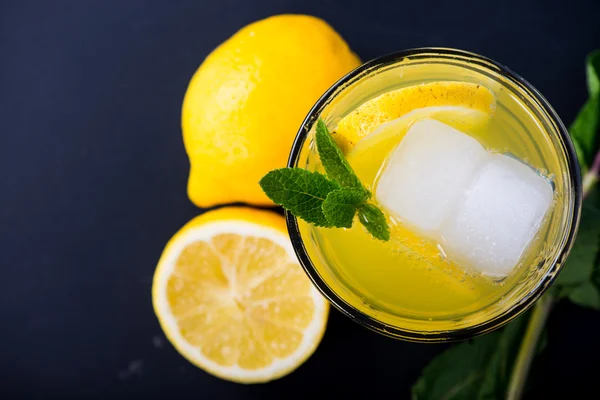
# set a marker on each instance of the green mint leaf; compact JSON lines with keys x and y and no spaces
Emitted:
{"x":375,"y":222}
{"x":584,"y":130}
{"x":340,"y":206}
{"x":327,"y":201}
{"x":593,"y":73}
{"x":333,"y":160}
{"x":586,"y":295}
{"x":477,"y":369}
{"x":579,"y":280}
{"x":583,"y":257}
{"x":299,"y":191}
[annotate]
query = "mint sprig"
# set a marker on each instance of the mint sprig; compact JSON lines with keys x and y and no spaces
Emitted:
{"x":333,"y":160}
{"x":301,"y":192}
{"x":330,"y":201}
{"x":340,"y":205}
{"x":374,"y":220}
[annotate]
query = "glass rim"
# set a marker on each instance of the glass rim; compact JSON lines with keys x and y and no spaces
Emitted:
{"x":524,"y":303}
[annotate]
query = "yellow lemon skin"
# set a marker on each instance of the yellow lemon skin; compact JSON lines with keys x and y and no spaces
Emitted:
{"x":246,"y":102}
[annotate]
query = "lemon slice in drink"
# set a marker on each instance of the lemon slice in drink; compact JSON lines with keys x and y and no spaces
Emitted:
{"x":396,"y":103}
{"x":231,"y":297}
{"x":389,"y":134}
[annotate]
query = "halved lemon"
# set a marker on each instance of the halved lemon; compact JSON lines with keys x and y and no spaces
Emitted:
{"x":396,"y":103}
{"x":231,"y":297}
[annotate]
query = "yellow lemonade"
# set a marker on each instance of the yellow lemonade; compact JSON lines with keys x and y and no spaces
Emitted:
{"x":409,"y":274}
{"x":409,"y":284}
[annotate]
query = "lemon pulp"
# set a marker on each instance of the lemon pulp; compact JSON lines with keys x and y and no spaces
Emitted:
{"x":232,"y":298}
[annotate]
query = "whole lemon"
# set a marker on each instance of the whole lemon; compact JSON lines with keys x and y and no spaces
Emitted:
{"x":248,"y":98}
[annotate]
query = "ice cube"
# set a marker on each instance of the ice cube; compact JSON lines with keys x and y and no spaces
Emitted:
{"x":427,"y":173}
{"x":498,"y":217}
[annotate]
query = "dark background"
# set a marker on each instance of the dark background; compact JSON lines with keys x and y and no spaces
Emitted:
{"x":93,"y":183}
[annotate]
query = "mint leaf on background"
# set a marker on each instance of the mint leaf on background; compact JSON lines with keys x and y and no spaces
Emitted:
{"x":577,"y":280}
{"x":476,"y":369}
{"x":580,"y":265}
{"x":585,"y":129}
{"x":593,"y":73}
{"x":299,"y":191}
{"x":333,"y":160}
{"x":340,"y":206}
{"x":586,"y":295}
{"x":374,"y":220}
{"x":581,"y":262}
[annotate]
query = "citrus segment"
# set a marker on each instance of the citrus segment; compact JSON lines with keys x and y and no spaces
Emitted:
{"x":232,"y":298}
